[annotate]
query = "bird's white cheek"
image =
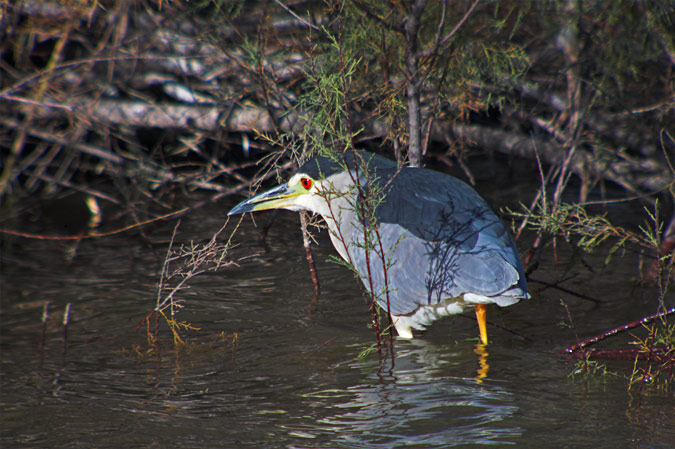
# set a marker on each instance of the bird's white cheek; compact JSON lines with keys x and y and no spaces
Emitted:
{"x":307,"y":202}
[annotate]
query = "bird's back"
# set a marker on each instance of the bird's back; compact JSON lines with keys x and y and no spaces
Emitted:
{"x":440,"y":240}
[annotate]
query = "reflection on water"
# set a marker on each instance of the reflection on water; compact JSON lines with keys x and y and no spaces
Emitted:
{"x":483,"y":366}
{"x":416,"y":402}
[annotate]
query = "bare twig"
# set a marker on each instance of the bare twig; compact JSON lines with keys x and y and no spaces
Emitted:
{"x":308,"y":251}
{"x":624,"y":327}
{"x":442,"y":42}
{"x":291,"y":12}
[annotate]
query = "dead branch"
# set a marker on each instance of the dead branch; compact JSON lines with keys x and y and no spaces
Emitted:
{"x":647,"y":174}
{"x":624,"y":327}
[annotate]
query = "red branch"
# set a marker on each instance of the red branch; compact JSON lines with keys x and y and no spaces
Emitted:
{"x":574,"y":349}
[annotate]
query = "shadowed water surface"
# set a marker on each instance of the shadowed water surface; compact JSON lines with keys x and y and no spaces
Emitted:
{"x":272,"y":366}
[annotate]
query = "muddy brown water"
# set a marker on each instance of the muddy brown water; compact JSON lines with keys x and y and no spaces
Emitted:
{"x":292,"y":377}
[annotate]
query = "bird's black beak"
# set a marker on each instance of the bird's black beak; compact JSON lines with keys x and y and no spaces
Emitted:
{"x":280,"y":197}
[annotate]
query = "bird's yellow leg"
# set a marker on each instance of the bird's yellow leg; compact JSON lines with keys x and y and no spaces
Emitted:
{"x":481,"y":309}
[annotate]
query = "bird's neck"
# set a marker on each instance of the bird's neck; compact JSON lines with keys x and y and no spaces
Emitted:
{"x":339,"y":216}
{"x":338,"y":198}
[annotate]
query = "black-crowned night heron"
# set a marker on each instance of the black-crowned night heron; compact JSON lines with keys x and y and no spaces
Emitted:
{"x":424,"y":242}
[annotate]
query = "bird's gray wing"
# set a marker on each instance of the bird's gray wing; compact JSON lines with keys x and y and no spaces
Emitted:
{"x":440,"y":239}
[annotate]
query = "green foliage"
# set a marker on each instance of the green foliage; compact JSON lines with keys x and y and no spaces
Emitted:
{"x":365,"y":352}
{"x":588,"y":369}
{"x":623,"y":62}
{"x":225,"y":8}
{"x":325,"y":99}
{"x":573,"y":222}
{"x":366,"y":60}
{"x":588,"y":232}
{"x":658,"y":348}
{"x":621,"y":45}
{"x":384,"y":34}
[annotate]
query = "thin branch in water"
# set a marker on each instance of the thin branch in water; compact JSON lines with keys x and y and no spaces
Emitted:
{"x":308,"y":251}
{"x":613,"y":354}
{"x":624,"y":327}
{"x":197,"y":260}
{"x":45,"y":317}
{"x":165,"y":266}
{"x":565,"y":289}
{"x":66,"y":321}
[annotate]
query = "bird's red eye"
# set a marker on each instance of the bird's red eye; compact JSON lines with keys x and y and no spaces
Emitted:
{"x":306,"y":183}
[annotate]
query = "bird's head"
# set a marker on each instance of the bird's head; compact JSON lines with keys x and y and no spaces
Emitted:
{"x":317,"y":186}
{"x":307,"y":189}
